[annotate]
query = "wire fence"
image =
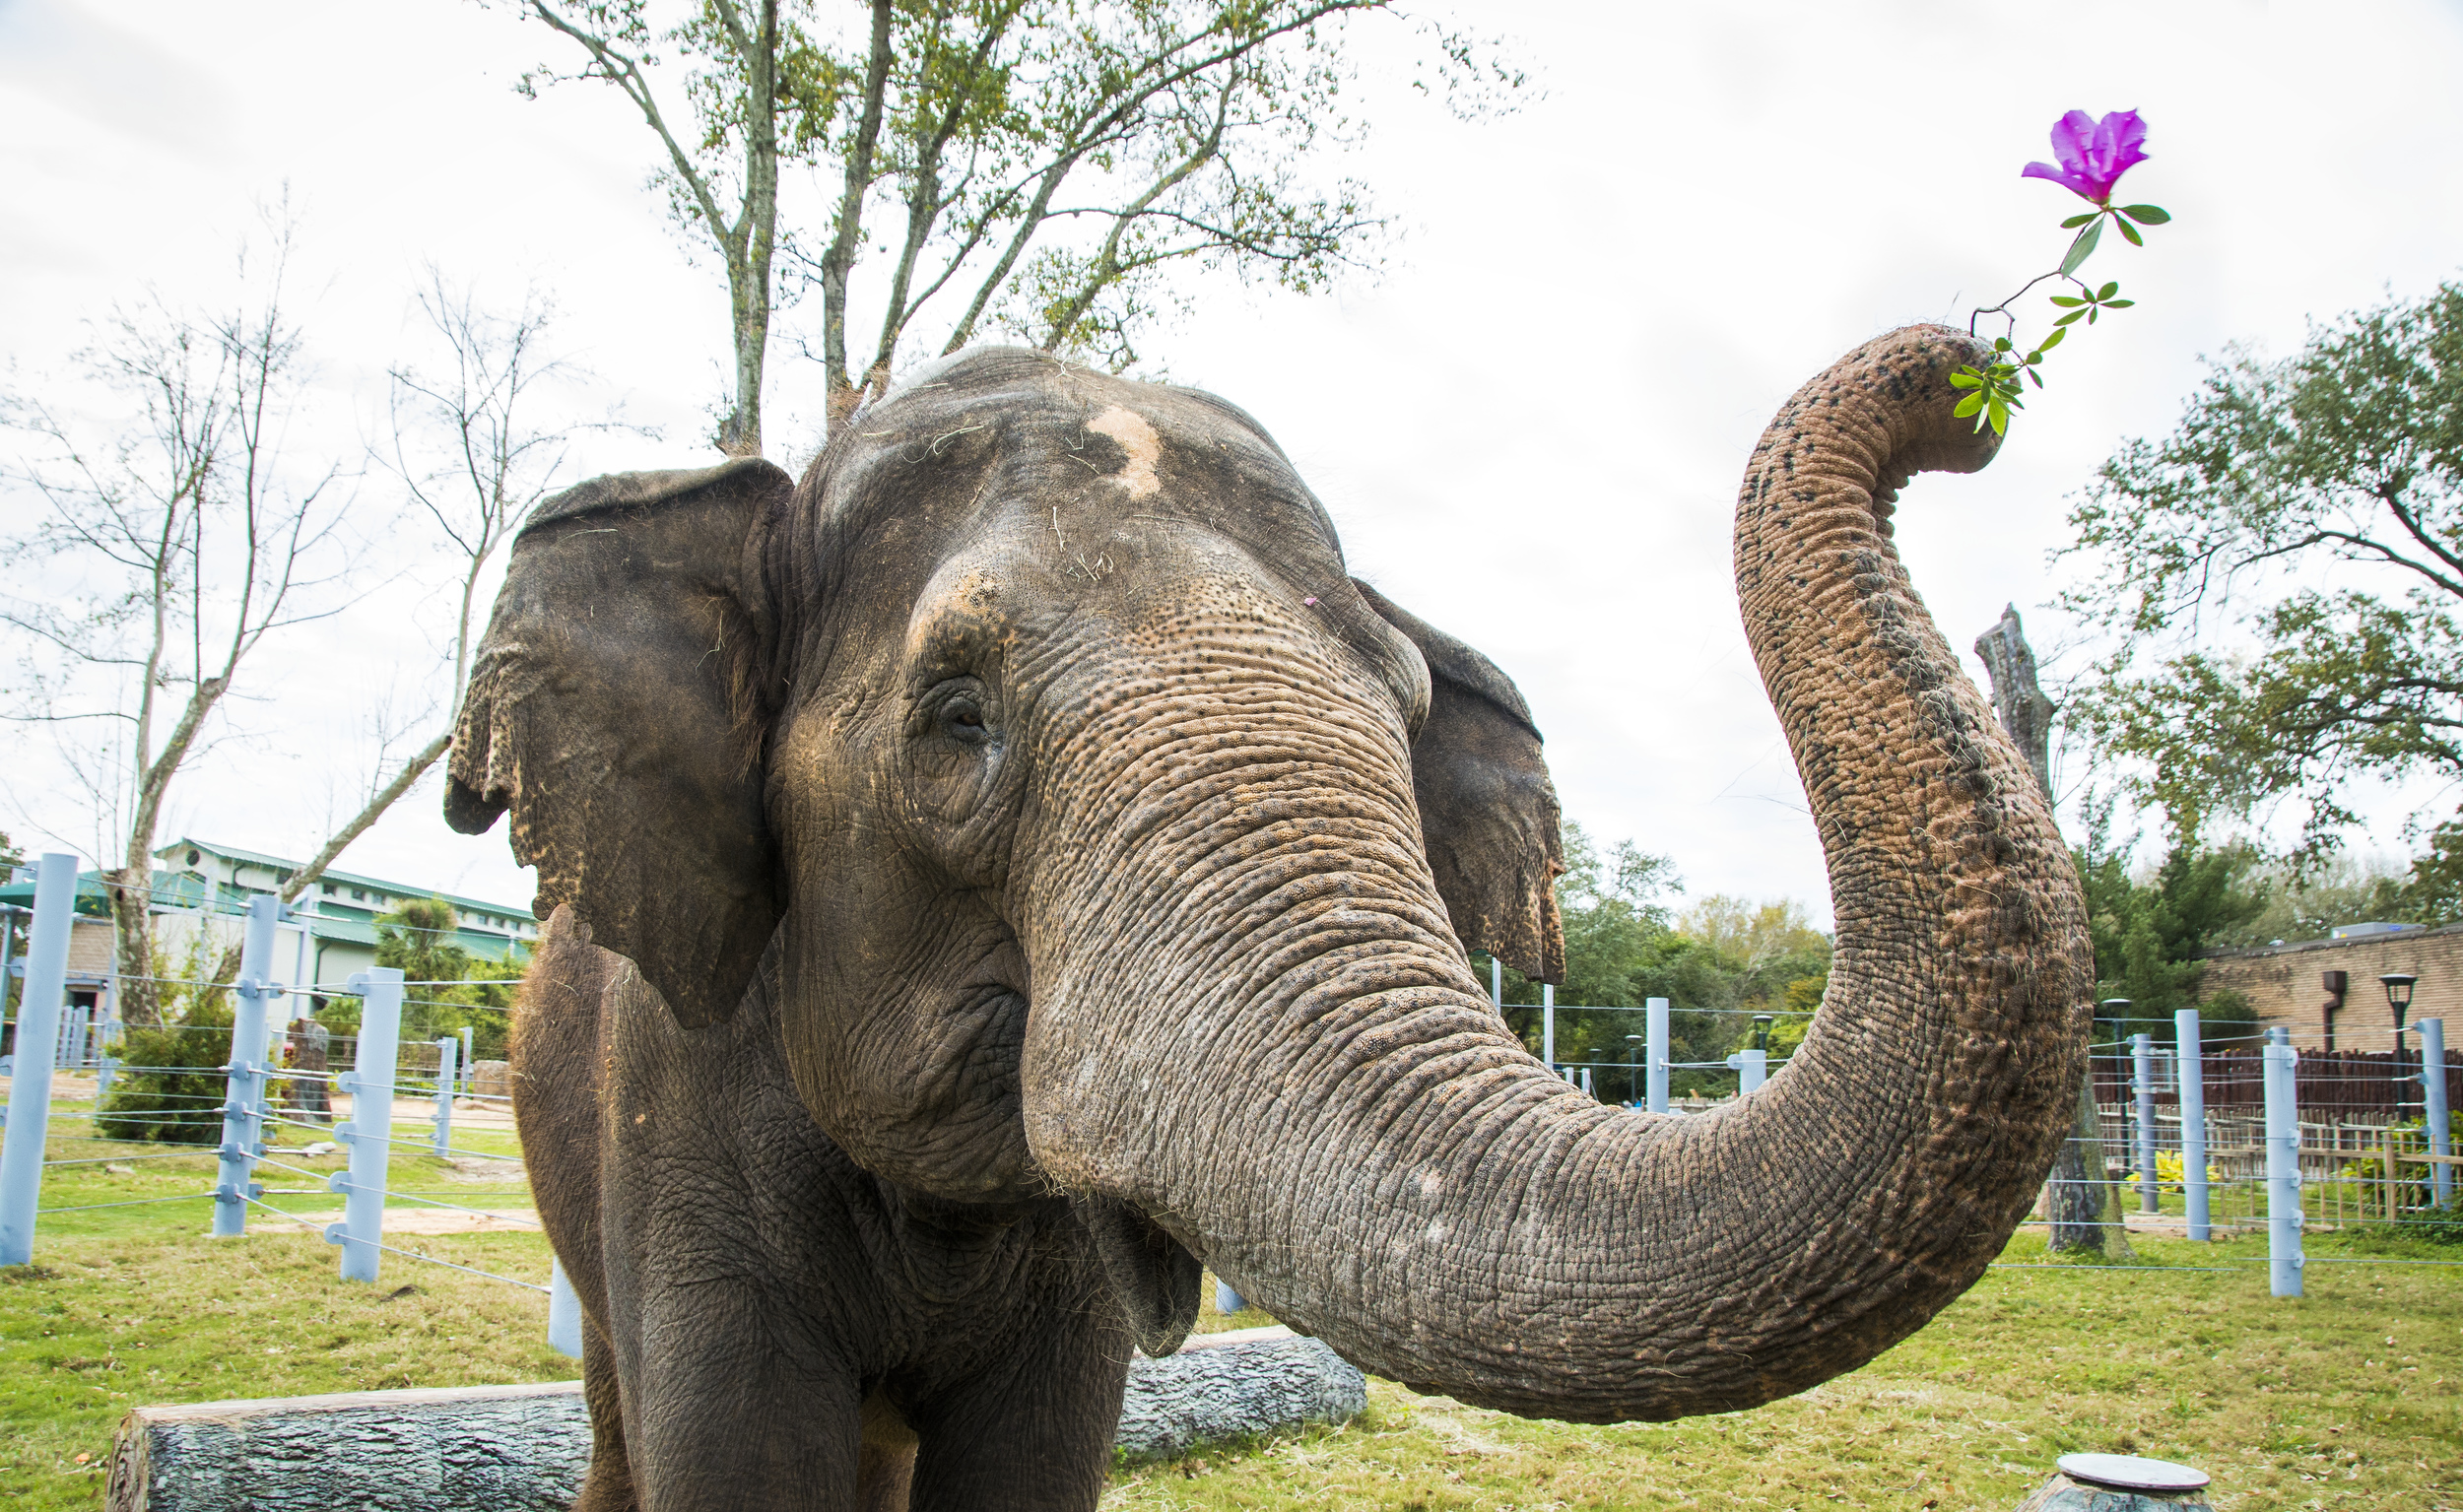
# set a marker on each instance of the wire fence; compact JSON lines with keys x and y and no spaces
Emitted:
{"x":232,"y":1111}
{"x":2199,"y":1137}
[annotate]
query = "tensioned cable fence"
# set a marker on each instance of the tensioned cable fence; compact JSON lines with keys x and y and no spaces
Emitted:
{"x":256,"y":1096}
{"x":2226,"y":1135}
{"x":2233,"y":1134}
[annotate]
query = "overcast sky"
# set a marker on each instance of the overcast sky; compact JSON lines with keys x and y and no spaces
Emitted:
{"x":1529,"y":429}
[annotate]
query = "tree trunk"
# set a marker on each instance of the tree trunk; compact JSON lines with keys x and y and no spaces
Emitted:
{"x":493,"y":1448}
{"x":2085,"y":1202}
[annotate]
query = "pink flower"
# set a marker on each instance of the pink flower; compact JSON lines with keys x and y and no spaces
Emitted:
{"x":2094,"y":154}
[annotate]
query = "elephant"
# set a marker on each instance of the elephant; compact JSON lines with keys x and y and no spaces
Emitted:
{"x":1015,"y":865}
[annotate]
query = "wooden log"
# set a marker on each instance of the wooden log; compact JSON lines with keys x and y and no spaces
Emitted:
{"x":520,"y":1448}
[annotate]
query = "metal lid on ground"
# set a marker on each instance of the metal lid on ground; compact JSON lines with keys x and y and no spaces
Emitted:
{"x":2131,"y":1473}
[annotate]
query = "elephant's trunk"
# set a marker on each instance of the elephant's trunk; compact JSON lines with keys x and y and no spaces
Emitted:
{"x":1331,"y":1113}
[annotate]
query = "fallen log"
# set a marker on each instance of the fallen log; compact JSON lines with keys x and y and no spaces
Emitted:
{"x":520,"y":1448}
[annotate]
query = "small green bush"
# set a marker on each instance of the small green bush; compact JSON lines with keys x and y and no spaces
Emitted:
{"x":178,"y":1100}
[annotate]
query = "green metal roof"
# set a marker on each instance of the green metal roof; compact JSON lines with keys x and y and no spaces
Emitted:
{"x":460,"y":904}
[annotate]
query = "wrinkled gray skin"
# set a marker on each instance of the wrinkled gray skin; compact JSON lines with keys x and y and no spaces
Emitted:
{"x":1018,"y":864}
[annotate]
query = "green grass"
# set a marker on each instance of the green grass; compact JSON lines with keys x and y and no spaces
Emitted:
{"x":2350,"y":1398}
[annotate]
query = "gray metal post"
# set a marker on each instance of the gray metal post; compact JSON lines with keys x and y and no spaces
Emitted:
{"x":8,"y":942}
{"x":37,"y":1024}
{"x":444,"y":1119}
{"x":1655,"y":1046}
{"x":1548,"y":1025}
{"x":2191,"y":1064}
{"x":369,"y":1133}
{"x":563,"y":1312}
{"x":470,"y":1060}
{"x":2434,"y":1107}
{"x":243,"y":1100}
{"x":2283,"y":1173}
{"x":1497,"y":984}
{"x":2142,"y":1078}
{"x":1753,"y":1068}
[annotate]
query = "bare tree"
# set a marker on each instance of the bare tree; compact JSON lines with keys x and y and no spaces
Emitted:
{"x":2083,"y":1201}
{"x":466,"y":448}
{"x":182,"y":540}
{"x":1051,"y":161}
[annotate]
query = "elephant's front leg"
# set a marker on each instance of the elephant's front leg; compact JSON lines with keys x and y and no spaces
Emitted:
{"x":729,"y":1408}
{"x":1032,"y":1433}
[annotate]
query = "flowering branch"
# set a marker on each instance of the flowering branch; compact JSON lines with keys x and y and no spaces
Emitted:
{"x":2094,"y":155}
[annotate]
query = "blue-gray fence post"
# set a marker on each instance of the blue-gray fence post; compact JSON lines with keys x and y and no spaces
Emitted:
{"x":2434,"y":1107}
{"x":244,"y":1099}
{"x":2142,"y":1078}
{"x":369,"y":1133}
{"x":1227,"y":1300}
{"x":37,"y":1024}
{"x":1548,"y":1025}
{"x":1497,"y":984}
{"x":2192,"y":1063}
{"x":563,"y":1312}
{"x":8,"y":944}
{"x":1753,"y":1068}
{"x":444,"y":1119}
{"x":2282,"y":1171}
{"x":1655,"y":1046}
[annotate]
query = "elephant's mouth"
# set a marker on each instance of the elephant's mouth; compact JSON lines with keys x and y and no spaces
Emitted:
{"x":1152,"y":1274}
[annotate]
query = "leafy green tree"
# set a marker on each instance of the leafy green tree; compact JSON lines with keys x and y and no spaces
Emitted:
{"x":2149,"y":936}
{"x":1612,"y":913}
{"x":2283,"y":574}
{"x":1041,"y":164}
{"x":2309,"y":903}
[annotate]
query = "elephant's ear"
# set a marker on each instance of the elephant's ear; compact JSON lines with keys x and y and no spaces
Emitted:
{"x":1485,"y":804}
{"x":614,"y":709}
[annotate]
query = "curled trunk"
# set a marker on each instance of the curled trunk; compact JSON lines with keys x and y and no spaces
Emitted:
{"x":1335,"y":1119}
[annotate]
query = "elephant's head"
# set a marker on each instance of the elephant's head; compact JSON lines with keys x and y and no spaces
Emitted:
{"x":1107,"y":838}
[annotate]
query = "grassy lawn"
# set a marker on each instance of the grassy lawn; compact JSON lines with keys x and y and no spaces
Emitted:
{"x":2350,"y":1398}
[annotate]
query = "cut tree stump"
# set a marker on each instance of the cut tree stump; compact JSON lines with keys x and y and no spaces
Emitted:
{"x":520,"y":1448}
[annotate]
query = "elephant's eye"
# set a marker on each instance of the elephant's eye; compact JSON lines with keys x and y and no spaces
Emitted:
{"x":962,"y":719}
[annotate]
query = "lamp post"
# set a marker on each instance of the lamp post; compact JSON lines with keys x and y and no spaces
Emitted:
{"x":2398,"y":985}
{"x":1632,"y":1046}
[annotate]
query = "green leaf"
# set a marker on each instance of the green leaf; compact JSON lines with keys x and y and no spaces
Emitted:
{"x":2130,"y":232}
{"x":2081,"y":247}
{"x":1966,"y":377}
{"x":2118,"y":304}
{"x":2039,"y":377}
{"x":2051,"y":341}
{"x":2001,"y":344}
{"x":2066,"y":302}
{"x":2001,"y":421}
{"x":2075,"y":222}
{"x":2146,"y":215}
{"x":2072,"y":315}
{"x":2108,"y":290}
{"x":1969,"y":406}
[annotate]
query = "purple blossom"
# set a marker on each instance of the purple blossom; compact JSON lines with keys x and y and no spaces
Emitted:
{"x":2094,"y":154}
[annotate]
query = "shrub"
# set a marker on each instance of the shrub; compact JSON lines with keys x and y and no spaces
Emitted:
{"x":178,"y":1098}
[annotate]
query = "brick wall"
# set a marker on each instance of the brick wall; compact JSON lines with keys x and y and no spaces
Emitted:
{"x":90,"y":947}
{"x":2285,"y":983}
